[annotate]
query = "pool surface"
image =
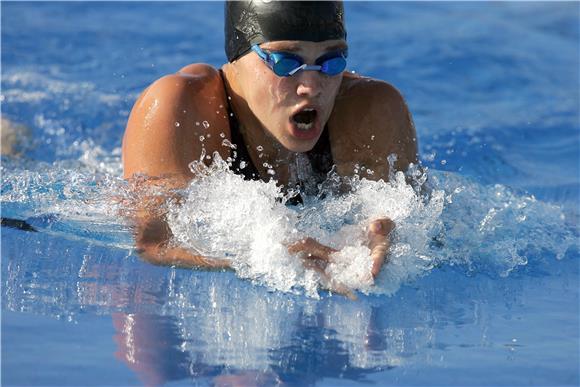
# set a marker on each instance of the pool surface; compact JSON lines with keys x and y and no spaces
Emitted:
{"x":483,"y":283}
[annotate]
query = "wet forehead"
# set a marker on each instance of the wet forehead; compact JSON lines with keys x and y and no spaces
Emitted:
{"x":301,"y":46}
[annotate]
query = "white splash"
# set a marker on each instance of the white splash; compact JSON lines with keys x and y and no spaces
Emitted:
{"x":453,"y":222}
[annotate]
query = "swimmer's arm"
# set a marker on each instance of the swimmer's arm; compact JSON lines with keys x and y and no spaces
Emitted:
{"x":153,"y":237}
{"x":370,"y":121}
{"x":175,"y":121}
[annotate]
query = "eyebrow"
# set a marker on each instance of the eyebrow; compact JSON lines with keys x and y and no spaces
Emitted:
{"x":294,"y":47}
{"x":337,"y":47}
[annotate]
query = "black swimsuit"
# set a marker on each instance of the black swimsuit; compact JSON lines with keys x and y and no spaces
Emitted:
{"x":320,"y":156}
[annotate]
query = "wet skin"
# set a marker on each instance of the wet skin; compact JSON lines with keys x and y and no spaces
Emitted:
{"x":367,"y":120}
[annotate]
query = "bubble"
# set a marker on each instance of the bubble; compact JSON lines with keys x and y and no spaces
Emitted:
{"x":177,"y":124}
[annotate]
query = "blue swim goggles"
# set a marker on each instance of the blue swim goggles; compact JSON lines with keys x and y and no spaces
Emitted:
{"x":284,"y":64}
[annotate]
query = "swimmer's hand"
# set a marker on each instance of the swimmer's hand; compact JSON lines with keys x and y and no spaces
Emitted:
{"x":317,"y":256}
{"x":379,"y":242}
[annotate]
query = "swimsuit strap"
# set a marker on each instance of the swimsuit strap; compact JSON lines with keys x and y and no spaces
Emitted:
{"x":242,"y":163}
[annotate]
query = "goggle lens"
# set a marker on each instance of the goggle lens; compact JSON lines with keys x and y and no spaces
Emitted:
{"x":333,"y":66}
{"x":283,"y":66}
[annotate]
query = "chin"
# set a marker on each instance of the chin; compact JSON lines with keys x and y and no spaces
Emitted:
{"x":300,"y":146}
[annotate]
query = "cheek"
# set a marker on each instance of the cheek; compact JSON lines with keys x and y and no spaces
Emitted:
{"x":279,"y":89}
{"x":258,"y":95}
{"x":329,"y":93}
{"x":332,"y":86}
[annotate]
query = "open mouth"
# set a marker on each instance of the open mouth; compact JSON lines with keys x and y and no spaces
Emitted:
{"x":305,"y":119}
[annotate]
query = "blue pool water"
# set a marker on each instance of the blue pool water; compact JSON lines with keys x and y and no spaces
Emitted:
{"x":483,"y":284}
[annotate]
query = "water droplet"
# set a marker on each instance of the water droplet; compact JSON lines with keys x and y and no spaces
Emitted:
{"x":205,"y":124}
{"x":242,"y":164}
{"x":196,"y":123}
{"x":177,"y":124}
{"x":443,"y":162}
{"x":222,"y":135}
{"x":373,"y":137}
{"x":201,"y":138}
{"x":228,"y":143}
{"x":259,"y":148}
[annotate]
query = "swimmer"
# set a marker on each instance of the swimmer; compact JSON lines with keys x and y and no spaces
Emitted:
{"x":287,"y":103}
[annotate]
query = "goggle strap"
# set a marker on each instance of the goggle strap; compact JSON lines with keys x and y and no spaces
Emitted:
{"x":256,"y":48}
{"x":305,"y":67}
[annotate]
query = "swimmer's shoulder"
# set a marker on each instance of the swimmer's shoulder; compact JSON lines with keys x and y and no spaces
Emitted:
{"x":359,"y":93}
{"x":176,"y":119}
{"x":371,"y":120}
{"x":198,"y":81}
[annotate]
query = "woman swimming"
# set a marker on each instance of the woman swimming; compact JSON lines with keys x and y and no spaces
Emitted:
{"x":288,"y":110}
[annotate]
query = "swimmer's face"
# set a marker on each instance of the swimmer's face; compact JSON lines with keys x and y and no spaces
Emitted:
{"x":295,"y":109}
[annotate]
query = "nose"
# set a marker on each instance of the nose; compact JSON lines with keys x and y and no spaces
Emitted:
{"x":309,"y":84}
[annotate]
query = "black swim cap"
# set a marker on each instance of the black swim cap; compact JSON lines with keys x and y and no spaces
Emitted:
{"x":255,"y":22}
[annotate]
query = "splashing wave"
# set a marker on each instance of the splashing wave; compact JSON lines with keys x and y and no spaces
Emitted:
{"x":443,"y":221}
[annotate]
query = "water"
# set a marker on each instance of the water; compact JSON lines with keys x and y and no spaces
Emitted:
{"x":484,"y":270}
